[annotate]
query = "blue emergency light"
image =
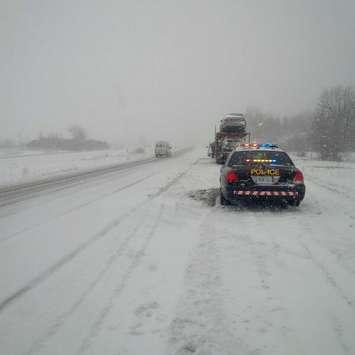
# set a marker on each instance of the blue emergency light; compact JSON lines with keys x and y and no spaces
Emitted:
{"x":268,"y":145}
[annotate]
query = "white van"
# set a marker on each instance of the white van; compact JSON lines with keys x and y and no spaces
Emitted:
{"x":162,"y":149}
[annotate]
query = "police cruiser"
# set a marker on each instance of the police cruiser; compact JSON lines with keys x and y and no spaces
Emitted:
{"x":261,"y":172}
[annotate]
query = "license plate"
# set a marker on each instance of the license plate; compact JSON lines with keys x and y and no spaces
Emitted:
{"x":265,"y":180}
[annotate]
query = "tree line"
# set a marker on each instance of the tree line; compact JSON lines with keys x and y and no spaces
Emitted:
{"x":78,"y":141}
{"x":328,"y":130}
{"x":333,"y":124}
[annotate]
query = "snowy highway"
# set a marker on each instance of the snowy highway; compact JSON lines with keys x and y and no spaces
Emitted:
{"x":142,"y":260}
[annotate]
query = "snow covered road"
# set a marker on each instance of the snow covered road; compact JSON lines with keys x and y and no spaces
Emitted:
{"x":27,"y":166}
{"x":128,"y":263}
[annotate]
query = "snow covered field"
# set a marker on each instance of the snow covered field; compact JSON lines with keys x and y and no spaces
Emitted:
{"x":24,"y":166}
{"x":128,"y":263}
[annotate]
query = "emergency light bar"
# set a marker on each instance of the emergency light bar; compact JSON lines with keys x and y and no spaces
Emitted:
{"x":249,"y":145}
{"x":268,"y":145}
{"x":256,"y":145}
{"x":261,"y":161}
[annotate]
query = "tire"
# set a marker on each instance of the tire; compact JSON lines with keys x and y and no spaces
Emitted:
{"x":296,"y":202}
{"x":224,"y":201}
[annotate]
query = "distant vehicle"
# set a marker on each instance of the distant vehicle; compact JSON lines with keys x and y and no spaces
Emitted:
{"x":233,"y":123}
{"x":260,"y":172}
{"x":232,"y":128}
{"x":162,"y":149}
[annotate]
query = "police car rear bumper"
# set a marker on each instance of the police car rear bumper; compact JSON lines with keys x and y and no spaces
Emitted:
{"x":288,"y":192}
{"x":263,"y":193}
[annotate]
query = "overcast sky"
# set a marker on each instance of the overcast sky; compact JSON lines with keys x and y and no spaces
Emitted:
{"x":165,"y":69}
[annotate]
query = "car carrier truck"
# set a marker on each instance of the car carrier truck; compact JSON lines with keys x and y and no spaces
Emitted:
{"x":232,"y":131}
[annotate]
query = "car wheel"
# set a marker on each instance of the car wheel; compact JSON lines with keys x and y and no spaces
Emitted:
{"x":296,"y":202}
{"x":224,"y":201}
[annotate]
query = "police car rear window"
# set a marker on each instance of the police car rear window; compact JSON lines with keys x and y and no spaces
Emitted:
{"x":259,"y":156}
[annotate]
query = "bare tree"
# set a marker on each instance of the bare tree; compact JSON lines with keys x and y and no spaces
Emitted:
{"x":334,"y":121}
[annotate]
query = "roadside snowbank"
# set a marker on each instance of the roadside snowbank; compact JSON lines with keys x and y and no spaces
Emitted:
{"x":25,"y":166}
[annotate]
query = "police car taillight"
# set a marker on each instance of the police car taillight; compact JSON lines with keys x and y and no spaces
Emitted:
{"x":298,"y":177}
{"x":232,"y":177}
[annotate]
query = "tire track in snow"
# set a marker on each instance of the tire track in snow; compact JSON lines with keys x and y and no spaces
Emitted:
{"x":63,"y":261}
{"x":199,"y":325}
{"x":308,"y":229}
{"x":97,"y":325}
{"x":19,"y":192}
{"x":75,"y":208}
{"x":28,"y":190}
{"x":60,"y":320}
{"x":339,"y":325}
{"x":330,"y":279}
{"x":43,"y":276}
{"x":330,"y":188}
{"x":262,"y":315}
{"x":79,"y":187}
{"x":326,"y":275}
{"x":339,"y":331}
